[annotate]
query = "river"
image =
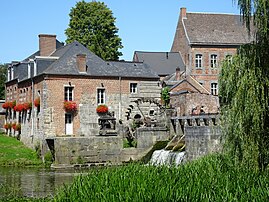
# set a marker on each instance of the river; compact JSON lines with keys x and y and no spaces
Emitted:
{"x":34,"y":182}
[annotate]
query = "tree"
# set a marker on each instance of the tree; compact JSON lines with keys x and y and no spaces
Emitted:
{"x":165,"y":96}
{"x":244,"y":91}
{"x":93,"y":25}
{"x":3,"y":75}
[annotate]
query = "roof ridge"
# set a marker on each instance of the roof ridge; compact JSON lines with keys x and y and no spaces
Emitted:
{"x":212,"y":13}
{"x":156,"y":51}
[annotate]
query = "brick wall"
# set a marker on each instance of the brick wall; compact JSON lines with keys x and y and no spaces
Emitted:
{"x":184,"y":103}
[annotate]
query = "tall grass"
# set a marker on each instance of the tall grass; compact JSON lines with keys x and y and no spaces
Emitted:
{"x":212,"y":178}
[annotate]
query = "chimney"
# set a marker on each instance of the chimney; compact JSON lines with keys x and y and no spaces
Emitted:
{"x":177,"y":74}
{"x":47,"y":44}
{"x":81,"y":62}
{"x":183,"y":13}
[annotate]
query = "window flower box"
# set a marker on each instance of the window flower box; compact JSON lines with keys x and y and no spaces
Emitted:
{"x":27,"y":106}
{"x":9,"y":105}
{"x":14,"y":126}
{"x":70,"y":106}
{"x":37,"y":102}
{"x":102,"y":109}
{"x":7,"y":126}
{"x":19,"y":107}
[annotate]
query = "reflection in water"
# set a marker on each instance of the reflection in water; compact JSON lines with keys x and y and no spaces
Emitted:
{"x":31,"y":182}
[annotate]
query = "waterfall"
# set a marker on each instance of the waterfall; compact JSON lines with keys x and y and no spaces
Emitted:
{"x":166,"y":157}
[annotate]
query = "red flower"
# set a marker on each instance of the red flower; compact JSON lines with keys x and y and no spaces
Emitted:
{"x":19,"y":107}
{"x":37,"y":102}
{"x":14,"y":126}
{"x":5,"y":105}
{"x":8,"y":126}
{"x":102,"y":109}
{"x":27,"y":105}
{"x":70,"y":106}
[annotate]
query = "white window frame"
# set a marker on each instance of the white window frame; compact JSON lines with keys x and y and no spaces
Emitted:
{"x":68,"y":93}
{"x":213,"y":60}
{"x":198,"y":61}
{"x":101,"y":96}
{"x":133,"y":88}
{"x":214,"y":88}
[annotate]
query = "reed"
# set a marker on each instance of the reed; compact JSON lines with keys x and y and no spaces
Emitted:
{"x":213,"y":178}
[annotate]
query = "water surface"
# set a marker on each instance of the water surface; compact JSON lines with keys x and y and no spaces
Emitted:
{"x":33,"y":182}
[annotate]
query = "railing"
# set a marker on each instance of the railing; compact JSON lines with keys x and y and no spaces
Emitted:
{"x":197,"y":120}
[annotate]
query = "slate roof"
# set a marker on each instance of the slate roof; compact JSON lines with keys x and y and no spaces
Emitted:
{"x":192,"y":82}
{"x":63,"y":62}
{"x":164,"y":63}
{"x":215,"y":29}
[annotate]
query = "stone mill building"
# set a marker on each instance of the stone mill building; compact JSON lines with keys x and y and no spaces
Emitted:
{"x":56,"y":91}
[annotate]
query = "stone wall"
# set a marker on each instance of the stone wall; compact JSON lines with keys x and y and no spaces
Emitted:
{"x":202,"y":134}
{"x":201,"y":140}
{"x":104,"y":149}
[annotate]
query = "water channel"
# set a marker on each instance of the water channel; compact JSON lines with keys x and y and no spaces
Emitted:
{"x":33,"y":182}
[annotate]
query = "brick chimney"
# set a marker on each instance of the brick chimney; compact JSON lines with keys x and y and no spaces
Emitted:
{"x":47,"y":44}
{"x":183,"y":13}
{"x":81,"y":62}
{"x":177,"y":74}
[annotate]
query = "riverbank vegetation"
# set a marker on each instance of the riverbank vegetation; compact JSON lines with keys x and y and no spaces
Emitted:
{"x":212,"y":178}
{"x":15,"y":153}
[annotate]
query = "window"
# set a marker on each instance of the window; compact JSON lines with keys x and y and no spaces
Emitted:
{"x":133,"y":88}
{"x":100,"y":96}
{"x":213,"y":60}
{"x":198,"y":61}
{"x":68,"y":93}
{"x":214,"y":88}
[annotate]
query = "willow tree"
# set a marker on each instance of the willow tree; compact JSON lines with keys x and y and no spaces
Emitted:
{"x":244,"y":91}
{"x":93,"y":25}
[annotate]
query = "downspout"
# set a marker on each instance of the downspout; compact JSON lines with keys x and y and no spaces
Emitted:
{"x":33,"y":92}
{"x":120,"y":100}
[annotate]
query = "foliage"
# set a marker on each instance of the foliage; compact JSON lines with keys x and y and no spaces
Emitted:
{"x":101,"y":109}
{"x":212,"y":178}
{"x":129,"y":144}
{"x":93,"y":25}
{"x":244,"y":91}
{"x":14,"y":153}
{"x":165,"y":96}
{"x":3,"y":75}
{"x":37,"y":102}
{"x":48,"y":158}
{"x":9,"y":105}
{"x":70,"y":106}
{"x":19,"y":107}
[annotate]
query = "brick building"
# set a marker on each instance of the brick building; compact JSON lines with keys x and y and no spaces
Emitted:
{"x":204,"y":40}
{"x":58,"y":73}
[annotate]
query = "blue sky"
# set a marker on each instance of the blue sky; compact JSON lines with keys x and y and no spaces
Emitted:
{"x":144,"y":25}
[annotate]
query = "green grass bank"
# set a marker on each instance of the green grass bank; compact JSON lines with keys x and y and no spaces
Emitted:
{"x":14,"y":153}
{"x":212,"y":178}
